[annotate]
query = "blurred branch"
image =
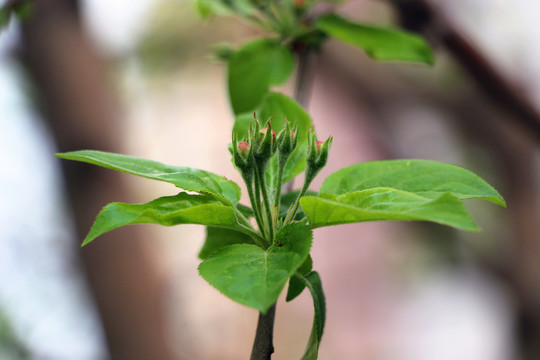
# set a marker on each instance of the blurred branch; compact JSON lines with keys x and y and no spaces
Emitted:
{"x":71,"y":86}
{"x":422,"y":16}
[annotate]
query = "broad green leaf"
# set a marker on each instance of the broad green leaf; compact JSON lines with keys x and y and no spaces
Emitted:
{"x":255,"y":277}
{"x":296,"y":285}
{"x":385,"y":204}
{"x":426,"y":178}
{"x":379,"y":43}
{"x":218,"y":238}
{"x":183,"y":177}
{"x":183,"y":208}
{"x":313,"y":283}
{"x":254,"y":69}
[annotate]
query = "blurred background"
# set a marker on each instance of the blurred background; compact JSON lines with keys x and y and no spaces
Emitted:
{"x":137,"y":77}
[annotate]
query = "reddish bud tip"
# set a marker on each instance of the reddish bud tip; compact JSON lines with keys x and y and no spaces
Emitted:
{"x":265,"y":129}
{"x":318,"y":145}
{"x":243,"y":147}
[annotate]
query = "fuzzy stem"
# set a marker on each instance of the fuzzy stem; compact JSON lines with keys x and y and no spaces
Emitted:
{"x":293,"y":209}
{"x":266,"y":205}
{"x":255,"y":204}
{"x":277,"y":196}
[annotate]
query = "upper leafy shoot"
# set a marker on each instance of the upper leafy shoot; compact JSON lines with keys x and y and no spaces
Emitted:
{"x":379,"y":43}
{"x":253,"y":69}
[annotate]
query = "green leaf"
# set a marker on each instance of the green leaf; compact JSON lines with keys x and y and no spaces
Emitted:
{"x":207,"y":8}
{"x":296,"y":285}
{"x":385,"y":204}
{"x":379,"y":43}
{"x":255,"y":277}
{"x":218,"y":238}
{"x":426,"y":178}
{"x":183,"y":177}
{"x":183,"y":208}
{"x":313,"y":283}
{"x":5,"y":17}
{"x":253,"y":69}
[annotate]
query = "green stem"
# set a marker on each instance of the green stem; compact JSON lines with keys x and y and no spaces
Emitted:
{"x":266,"y":204}
{"x":255,"y":204}
{"x":248,"y":229}
{"x":277,"y":196}
{"x":294,"y":208}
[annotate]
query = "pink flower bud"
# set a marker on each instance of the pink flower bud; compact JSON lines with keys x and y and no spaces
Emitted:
{"x":265,"y":129}
{"x":318,"y":145}
{"x":243,"y":148}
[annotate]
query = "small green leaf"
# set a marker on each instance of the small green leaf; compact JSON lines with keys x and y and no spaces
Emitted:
{"x":379,"y":43}
{"x":385,"y":204}
{"x":426,"y":178}
{"x":5,"y":17}
{"x":183,"y":177}
{"x":253,"y":69}
{"x":24,"y":9}
{"x":313,"y":283}
{"x":218,"y":238}
{"x":183,"y":208}
{"x":255,"y":277}
{"x":296,"y":285}
{"x":207,"y":8}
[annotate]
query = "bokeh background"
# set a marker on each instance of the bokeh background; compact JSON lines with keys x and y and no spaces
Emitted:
{"x":138,"y":77}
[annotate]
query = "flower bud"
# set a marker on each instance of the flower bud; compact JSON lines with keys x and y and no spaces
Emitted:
{"x":317,"y":155}
{"x":286,"y":142}
{"x":243,"y":148}
{"x":242,"y":157}
{"x":264,"y":145}
{"x":265,"y":129}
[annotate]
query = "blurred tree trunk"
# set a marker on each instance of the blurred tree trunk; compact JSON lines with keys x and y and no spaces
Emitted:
{"x":72,"y":92}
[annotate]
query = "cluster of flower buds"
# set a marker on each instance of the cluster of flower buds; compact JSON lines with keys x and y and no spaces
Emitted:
{"x":260,"y":144}
{"x":317,"y":155}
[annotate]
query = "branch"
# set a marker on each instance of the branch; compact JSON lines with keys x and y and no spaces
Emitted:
{"x":423,"y":16}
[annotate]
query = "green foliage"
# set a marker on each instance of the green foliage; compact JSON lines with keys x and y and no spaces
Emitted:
{"x":169,"y":210}
{"x":251,"y":265}
{"x":385,"y":204}
{"x":218,"y":238}
{"x":183,"y":177}
{"x":5,"y":17}
{"x":379,"y":43}
{"x":253,"y":276}
{"x":296,"y":285}
{"x":422,"y":177}
{"x":313,"y":282}
{"x":253,"y":69}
